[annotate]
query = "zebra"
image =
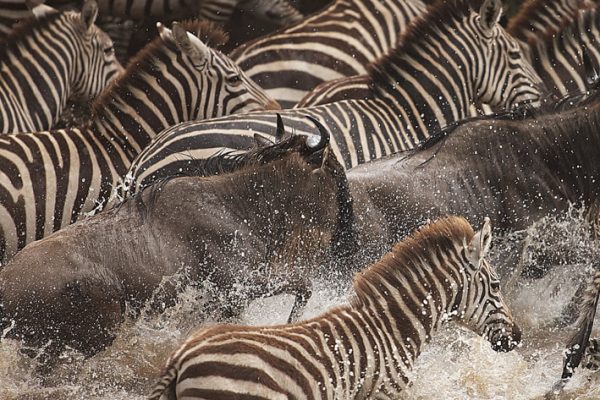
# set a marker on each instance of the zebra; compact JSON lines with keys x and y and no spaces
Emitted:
{"x":49,"y":59}
{"x":279,"y":12}
{"x":50,"y":179}
{"x":339,"y":41}
{"x":557,"y":56}
{"x":537,"y":27}
{"x":359,"y":351}
{"x":539,"y":16}
{"x":407,"y":104}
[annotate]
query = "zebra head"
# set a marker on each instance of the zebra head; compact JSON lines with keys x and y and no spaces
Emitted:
{"x":504,"y":78}
{"x":480,"y":304}
{"x":95,"y":63}
{"x":225,"y":87}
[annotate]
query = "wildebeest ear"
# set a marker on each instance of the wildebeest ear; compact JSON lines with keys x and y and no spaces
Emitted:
{"x":191,"y":46}
{"x":481,"y":242}
{"x":89,"y":13}
{"x":490,"y":13}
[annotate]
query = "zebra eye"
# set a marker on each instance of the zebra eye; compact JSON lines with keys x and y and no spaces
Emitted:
{"x":495,"y":286}
{"x":234,"y":80}
{"x":109,"y":51}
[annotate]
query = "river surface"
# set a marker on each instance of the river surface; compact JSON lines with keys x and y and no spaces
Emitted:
{"x":456,"y":365}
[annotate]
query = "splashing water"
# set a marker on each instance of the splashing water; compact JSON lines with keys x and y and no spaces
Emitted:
{"x":456,"y":365}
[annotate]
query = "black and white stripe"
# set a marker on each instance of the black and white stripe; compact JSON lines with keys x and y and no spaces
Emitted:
{"x":361,"y":351}
{"x":467,"y":58}
{"x":341,"y":40}
{"x":50,"y":179}
{"x":53,"y":57}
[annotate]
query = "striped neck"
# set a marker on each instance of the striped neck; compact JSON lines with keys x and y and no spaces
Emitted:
{"x":401,"y":81}
{"x":43,"y":95}
{"x":415,"y":292}
{"x":155,"y":92}
{"x":538,"y":16}
{"x":557,"y":55}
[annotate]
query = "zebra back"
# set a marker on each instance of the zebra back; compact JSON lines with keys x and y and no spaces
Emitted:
{"x":48,"y":59}
{"x":339,"y":41}
{"x":364,"y":350}
{"x":386,"y":122}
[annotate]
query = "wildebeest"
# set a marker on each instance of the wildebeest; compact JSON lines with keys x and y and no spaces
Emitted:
{"x":266,"y":224}
{"x":514,"y":170}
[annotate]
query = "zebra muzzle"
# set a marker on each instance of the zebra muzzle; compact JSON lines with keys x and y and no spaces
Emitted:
{"x":505,"y":340}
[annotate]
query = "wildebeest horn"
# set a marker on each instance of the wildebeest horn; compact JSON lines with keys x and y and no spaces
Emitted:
{"x":324,"y":137}
{"x":591,"y":73}
{"x":280,"y":129}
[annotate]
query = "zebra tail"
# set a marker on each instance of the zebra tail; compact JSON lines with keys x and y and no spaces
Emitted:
{"x":579,"y":342}
{"x":165,"y":385}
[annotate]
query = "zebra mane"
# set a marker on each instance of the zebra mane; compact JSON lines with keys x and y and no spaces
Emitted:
{"x":209,"y":32}
{"x":441,"y":13}
{"x":25,"y":28}
{"x":409,"y":254}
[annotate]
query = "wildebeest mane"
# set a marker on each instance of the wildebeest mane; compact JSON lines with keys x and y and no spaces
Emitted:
{"x":228,"y":162}
{"x":411,"y":41}
{"x":525,"y":112}
{"x":410,"y":252}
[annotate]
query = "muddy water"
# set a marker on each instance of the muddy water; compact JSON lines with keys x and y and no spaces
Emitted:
{"x":457,"y":364}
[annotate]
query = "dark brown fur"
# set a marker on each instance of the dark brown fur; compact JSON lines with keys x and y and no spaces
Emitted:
{"x":72,"y":286}
{"x":515,"y":171}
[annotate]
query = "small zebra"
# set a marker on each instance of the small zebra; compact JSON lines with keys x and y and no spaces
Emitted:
{"x":50,"y":179}
{"x":49,"y":59}
{"x":363,"y":350}
{"x":341,"y":40}
{"x":456,"y":44}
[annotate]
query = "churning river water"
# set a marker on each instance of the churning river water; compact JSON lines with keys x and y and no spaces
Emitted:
{"x":456,"y":365}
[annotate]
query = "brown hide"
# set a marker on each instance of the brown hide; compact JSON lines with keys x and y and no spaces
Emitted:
{"x":266,"y":226}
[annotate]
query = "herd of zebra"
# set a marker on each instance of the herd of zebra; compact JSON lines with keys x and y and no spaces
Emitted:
{"x":313,"y":149}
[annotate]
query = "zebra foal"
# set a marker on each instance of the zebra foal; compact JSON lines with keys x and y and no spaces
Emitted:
{"x":51,"y":58}
{"x":363,"y":350}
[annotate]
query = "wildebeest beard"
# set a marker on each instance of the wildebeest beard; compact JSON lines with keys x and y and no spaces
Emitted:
{"x":279,"y":214}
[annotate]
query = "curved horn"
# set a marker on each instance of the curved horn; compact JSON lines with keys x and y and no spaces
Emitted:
{"x":262,"y":141}
{"x":280,"y":129}
{"x":591,"y":74}
{"x":324,"y":138}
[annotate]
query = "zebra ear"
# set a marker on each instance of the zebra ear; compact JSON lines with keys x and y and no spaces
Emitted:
{"x":191,"y":46}
{"x":481,"y":242}
{"x":89,"y":13}
{"x":490,"y":13}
